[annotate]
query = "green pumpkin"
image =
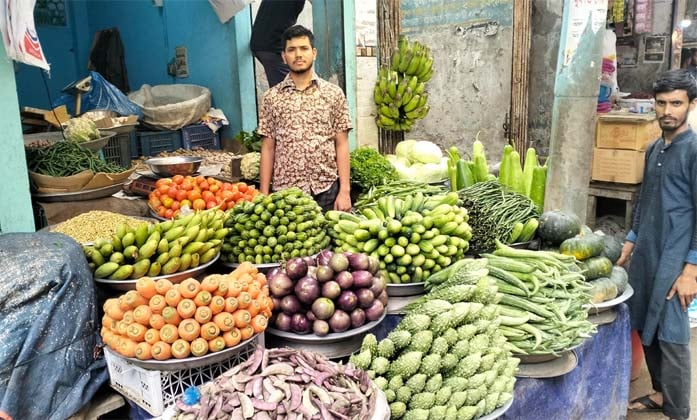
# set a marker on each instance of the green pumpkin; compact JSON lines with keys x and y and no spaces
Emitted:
{"x":613,"y":248}
{"x":596,"y":267}
{"x":583,"y":247}
{"x":602,"y":289}
{"x":620,"y":277}
{"x":557,"y":226}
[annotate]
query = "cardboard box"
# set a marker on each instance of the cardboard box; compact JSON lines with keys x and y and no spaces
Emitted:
{"x":615,"y":165}
{"x":626,"y":131}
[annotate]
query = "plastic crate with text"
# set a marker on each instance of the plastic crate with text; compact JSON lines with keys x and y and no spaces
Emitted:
{"x":154,"y":142}
{"x":201,"y":136}
{"x":155,"y":390}
{"x":118,"y":149}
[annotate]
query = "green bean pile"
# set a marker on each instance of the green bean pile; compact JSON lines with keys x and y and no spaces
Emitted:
{"x":65,"y":158}
{"x":398,"y":189}
{"x":494,"y":210}
{"x":542,"y":300}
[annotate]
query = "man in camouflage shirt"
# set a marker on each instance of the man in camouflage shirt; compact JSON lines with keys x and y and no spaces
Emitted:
{"x":304,"y":122}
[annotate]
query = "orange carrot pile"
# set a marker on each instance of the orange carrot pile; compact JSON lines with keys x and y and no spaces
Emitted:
{"x":160,"y":320}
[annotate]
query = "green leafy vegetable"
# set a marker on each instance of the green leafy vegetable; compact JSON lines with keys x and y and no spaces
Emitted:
{"x":369,"y":168}
{"x":251,"y":141}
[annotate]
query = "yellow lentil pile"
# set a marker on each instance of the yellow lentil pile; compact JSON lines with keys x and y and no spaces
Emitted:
{"x":93,"y":225}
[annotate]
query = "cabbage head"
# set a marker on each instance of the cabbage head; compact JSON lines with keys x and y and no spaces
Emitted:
{"x":249,"y":166}
{"x":81,"y":129}
{"x":403,"y":149}
{"x":425,"y":152}
{"x":421,"y":151}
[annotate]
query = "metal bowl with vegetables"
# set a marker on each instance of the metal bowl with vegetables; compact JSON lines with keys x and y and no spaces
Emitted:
{"x":174,"y":165}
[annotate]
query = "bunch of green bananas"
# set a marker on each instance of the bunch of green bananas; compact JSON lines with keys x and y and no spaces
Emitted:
{"x":159,"y":249}
{"x":400,"y":89}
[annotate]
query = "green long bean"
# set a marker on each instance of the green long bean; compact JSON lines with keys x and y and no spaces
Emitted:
{"x":65,"y":158}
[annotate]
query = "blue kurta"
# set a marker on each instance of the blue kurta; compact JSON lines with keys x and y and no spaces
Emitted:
{"x":665,"y":237}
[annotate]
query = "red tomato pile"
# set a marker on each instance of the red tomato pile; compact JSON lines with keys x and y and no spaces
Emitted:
{"x":197,"y":193}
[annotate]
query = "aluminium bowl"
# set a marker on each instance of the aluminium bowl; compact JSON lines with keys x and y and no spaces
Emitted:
{"x":174,"y":165}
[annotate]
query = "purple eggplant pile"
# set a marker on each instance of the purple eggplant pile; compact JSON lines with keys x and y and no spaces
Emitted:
{"x":329,"y":293}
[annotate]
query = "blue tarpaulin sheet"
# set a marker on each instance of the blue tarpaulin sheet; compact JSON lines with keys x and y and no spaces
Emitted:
{"x":48,"y":327}
{"x":102,"y":95}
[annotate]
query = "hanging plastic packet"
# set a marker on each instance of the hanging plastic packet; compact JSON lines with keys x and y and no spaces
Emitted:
{"x":19,"y":34}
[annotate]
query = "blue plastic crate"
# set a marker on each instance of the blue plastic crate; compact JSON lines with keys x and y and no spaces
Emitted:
{"x":136,"y":148}
{"x":154,"y":142}
{"x":200,"y":136}
{"x":118,"y":149}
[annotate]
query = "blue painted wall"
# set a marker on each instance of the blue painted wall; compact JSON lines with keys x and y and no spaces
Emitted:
{"x":218,"y":53}
{"x":66,"y":49}
{"x":15,"y":203}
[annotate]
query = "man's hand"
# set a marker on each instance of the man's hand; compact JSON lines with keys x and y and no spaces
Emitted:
{"x":343,"y":201}
{"x":268,"y":152}
{"x":626,"y":255}
{"x":685,"y":286}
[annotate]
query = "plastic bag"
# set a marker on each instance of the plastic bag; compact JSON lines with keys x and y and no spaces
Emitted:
{"x":18,"y":33}
{"x":102,"y":95}
{"x":226,"y":9}
{"x":171,"y":107}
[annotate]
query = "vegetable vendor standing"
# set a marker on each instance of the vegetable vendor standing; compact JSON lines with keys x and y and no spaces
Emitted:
{"x":304,"y":124}
{"x":662,"y":245}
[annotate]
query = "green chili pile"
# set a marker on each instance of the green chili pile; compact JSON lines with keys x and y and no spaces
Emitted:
{"x":65,"y":158}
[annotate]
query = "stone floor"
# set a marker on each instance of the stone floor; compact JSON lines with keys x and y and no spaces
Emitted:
{"x":642,"y":386}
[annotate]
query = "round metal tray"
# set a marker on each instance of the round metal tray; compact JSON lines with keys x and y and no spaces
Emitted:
{"x":154,"y":214}
{"x":188,"y":362}
{"x":551,"y":369}
{"x":498,"y":412}
{"x":396,"y":304}
{"x":79,"y":195}
{"x":406,"y":289}
{"x":177,"y":277}
{"x":261,"y":267}
{"x":533,"y":245}
{"x":334,"y":349}
{"x":605,"y":317}
{"x":329,"y":338}
{"x":439,"y":182}
{"x":547,"y":357}
{"x":604,"y":306}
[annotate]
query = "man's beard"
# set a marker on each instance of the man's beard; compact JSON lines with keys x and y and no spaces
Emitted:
{"x":300,"y":70}
{"x":671,"y":127}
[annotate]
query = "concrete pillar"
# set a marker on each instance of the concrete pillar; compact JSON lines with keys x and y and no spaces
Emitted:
{"x":15,"y":201}
{"x":573,"y":114}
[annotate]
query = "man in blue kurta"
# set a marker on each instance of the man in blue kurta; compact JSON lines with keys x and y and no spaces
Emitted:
{"x":662,"y":245}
